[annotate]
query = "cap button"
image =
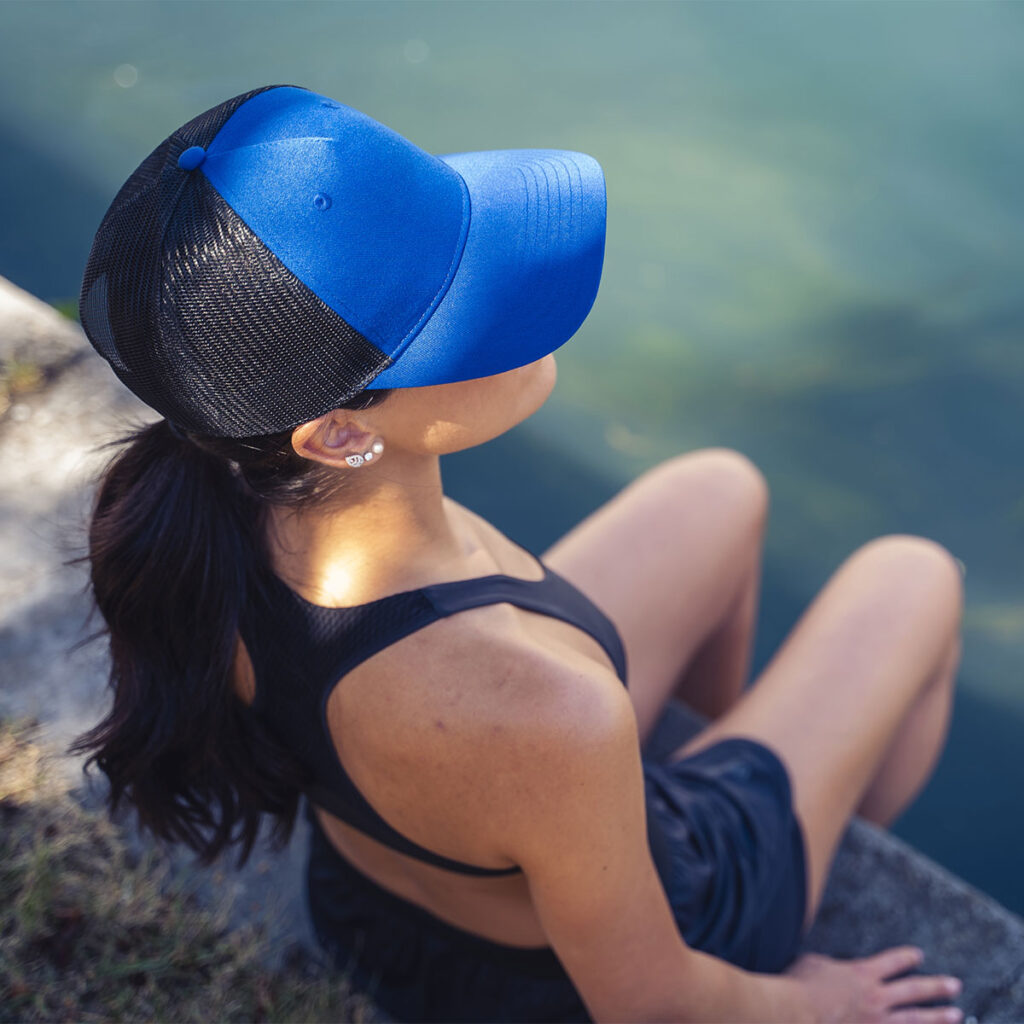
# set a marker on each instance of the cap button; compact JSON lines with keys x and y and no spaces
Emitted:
{"x":191,"y":158}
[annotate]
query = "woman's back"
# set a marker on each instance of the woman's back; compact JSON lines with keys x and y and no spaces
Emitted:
{"x":429,"y":729}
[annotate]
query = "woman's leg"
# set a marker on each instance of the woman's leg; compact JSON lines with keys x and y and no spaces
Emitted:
{"x":674,"y":561}
{"x":856,"y":700}
{"x":911,"y":757}
{"x":715,"y":677}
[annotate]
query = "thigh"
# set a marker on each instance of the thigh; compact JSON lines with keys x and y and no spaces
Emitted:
{"x":664,"y":560}
{"x":831,"y":700}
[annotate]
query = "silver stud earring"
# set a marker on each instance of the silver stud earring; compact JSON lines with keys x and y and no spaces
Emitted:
{"x":368,"y":456}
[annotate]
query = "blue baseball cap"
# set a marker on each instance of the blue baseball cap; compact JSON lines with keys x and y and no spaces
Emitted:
{"x":282,"y":252}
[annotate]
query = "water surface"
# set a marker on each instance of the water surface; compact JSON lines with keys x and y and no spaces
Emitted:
{"x":814,"y":256}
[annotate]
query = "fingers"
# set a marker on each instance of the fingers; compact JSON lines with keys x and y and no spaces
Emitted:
{"x":915,"y":989}
{"x":894,"y":961}
{"x":922,"y":989}
{"x":931,"y":1015}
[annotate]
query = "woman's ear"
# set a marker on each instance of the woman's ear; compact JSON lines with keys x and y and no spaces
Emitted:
{"x":334,"y":438}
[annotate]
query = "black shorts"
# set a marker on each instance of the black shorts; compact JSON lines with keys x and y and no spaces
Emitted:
{"x":736,"y":885}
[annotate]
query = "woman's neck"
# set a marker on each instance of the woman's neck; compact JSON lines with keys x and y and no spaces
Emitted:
{"x":393,"y":529}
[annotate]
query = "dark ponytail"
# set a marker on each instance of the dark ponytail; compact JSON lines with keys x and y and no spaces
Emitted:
{"x":177,"y":531}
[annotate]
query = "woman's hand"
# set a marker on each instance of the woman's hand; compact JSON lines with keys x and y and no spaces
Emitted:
{"x":856,"y":991}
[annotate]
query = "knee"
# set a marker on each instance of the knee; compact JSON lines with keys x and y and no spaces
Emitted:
{"x":727,"y":474}
{"x":920,"y":562}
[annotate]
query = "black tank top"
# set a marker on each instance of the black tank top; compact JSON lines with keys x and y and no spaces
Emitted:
{"x":300,"y":650}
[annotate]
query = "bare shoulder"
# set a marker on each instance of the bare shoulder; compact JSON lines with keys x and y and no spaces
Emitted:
{"x":484,"y":660}
{"x":573,"y":738}
{"x":474,"y":721}
{"x":478,"y":675}
{"x":543,"y":729}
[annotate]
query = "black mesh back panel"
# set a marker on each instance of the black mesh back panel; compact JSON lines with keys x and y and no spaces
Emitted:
{"x":196,"y":315}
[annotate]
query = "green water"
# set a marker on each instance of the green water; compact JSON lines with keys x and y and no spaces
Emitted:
{"x":814,"y":251}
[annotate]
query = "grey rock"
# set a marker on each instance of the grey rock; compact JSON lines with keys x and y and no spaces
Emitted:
{"x":31,"y":329}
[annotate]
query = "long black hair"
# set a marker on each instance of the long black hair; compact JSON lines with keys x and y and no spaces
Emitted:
{"x":177,"y":530}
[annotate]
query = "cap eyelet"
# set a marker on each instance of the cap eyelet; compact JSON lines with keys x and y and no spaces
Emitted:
{"x":191,"y":158}
{"x":322,"y":201}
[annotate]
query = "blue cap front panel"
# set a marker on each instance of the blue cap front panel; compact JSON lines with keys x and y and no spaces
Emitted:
{"x":372,"y":224}
{"x":529,"y":273}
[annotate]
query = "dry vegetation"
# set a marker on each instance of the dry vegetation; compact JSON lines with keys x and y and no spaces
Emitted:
{"x":90,"y":931}
{"x":18,"y":377}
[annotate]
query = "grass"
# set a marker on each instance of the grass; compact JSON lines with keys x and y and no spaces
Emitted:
{"x":20,"y":373}
{"x":18,"y":377}
{"x":67,"y":307}
{"x":91,"y":930}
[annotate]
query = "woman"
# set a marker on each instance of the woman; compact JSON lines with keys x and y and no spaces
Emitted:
{"x":320,"y":310}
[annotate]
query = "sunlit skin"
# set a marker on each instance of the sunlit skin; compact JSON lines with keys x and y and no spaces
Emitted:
{"x":468,"y":735}
{"x":391,"y":530}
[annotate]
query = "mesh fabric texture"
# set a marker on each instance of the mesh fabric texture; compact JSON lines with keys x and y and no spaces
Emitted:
{"x":196,"y":315}
{"x":299,"y":652}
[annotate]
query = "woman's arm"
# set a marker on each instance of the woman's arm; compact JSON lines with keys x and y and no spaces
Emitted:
{"x":574,"y":816}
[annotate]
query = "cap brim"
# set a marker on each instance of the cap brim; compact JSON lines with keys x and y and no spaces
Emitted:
{"x":529,"y":270}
